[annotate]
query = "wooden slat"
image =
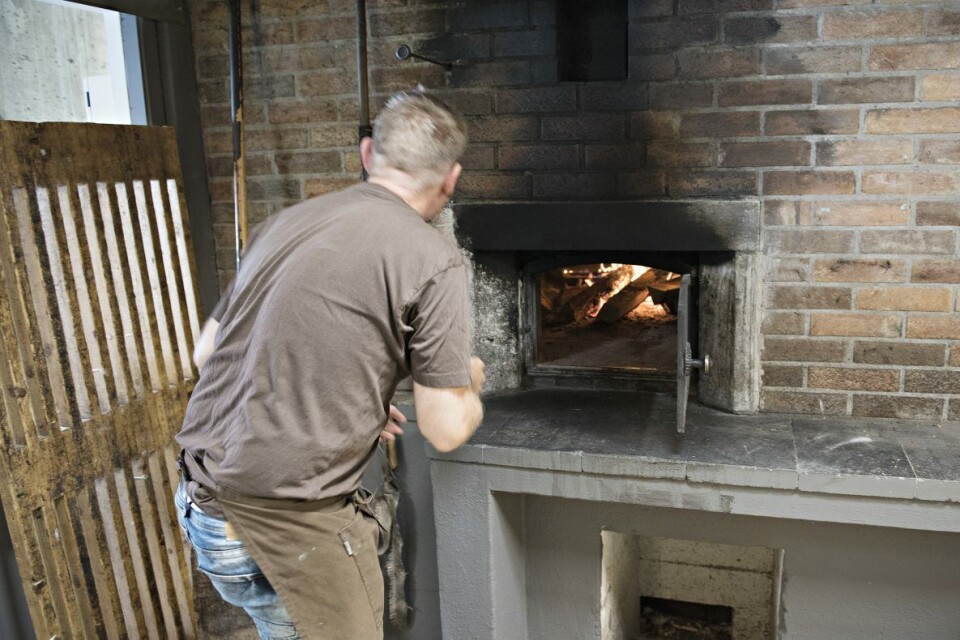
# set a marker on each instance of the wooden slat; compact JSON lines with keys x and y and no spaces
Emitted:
{"x":104,"y":294}
{"x":133,"y":531}
{"x":184,"y":257}
{"x":141,"y":482}
{"x":136,"y":278}
{"x":30,"y":370}
{"x":39,"y":295}
{"x":120,"y":288}
{"x":74,"y":566}
{"x":173,"y":288}
{"x":87,"y":322}
{"x":55,"y":579}
{"x":153,"y":276}
{"x":99,"y":567}
{"x":124,"y":590}
{"x":172,"y":543}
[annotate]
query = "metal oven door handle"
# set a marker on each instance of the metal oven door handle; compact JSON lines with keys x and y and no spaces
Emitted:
{"x":686,"y":363}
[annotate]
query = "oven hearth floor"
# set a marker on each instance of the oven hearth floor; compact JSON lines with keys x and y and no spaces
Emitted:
{"x":633,"y":434}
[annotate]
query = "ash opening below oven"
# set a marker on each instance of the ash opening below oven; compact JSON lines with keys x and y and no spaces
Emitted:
{"x":609,"y":316}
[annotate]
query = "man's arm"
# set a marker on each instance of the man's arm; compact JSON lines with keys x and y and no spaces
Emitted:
{"x":204,"y":346}
{"x":447,"y":417}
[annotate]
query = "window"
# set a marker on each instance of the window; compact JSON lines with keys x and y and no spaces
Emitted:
{"x":62,"y":61}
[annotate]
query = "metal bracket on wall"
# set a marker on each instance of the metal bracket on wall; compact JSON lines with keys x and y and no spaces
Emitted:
{"x":685,"y":360}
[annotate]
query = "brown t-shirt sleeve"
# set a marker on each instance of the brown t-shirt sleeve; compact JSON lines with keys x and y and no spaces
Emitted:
{"x":221,"y":306}
{"x":438,"y":348}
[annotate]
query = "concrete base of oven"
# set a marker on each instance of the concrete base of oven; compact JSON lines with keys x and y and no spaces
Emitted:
{"x":865,"y":554}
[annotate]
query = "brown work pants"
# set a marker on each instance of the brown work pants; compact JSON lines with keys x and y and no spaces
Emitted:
{"x":320,"y":557}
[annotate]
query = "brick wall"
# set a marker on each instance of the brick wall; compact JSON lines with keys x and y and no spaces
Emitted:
{"x":840,"y":116}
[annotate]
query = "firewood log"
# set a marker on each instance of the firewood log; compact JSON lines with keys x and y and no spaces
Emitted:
{"x":588,"y":302}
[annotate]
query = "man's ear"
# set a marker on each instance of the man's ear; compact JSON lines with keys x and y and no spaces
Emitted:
{"x":366,"y":152}
{"x":450,"y":181}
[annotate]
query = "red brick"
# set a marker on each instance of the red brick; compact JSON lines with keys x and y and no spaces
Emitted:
{"x":782,"y":183}
{"x":502,"y":128}
{"x":647,"y":68}
{"x":308,"y":162}
{"x":277,"y":139}
{"x":940,"y":152}
{"x":539,"y":157}
{"x":712,"y":183}
{"x":830,"y":404}
{"x":907,"y":241}
{"x":860,"y":214}
{"x":809,"y":297}
{"x":325,"y":83}
{"x":940,"y":214}
{"x":940,"y":86}
{"x":641,"y":184}
{"x":745,"y":30}
{"x":492,"y":186}
{"x":904,"y":299}
{"x":796,"y":60}
{"x":540,"y":99}
{"x":678,"y":154}
{"x":898,"y":406}
{"x":681,"y":96}
{"x":775,"y":375}
{"x":765,"y":154}
{"x":932,"y":381}
{"x":806,"y":241}
{"x":911,"y":182}
{"x":936,"y":271}
{"x":327,"y":29}
{"x":898,"y":353}
{"x":654,"y":125}
{"x":720,"y":125}
{"x":811,"y":122}
{"x":319,"y":186}
{"x":926,"y":120}
{"x":333,"y":135}
{"x":667,"y":34}
{"x":854,"y":379}
{"x":864,"y":152}
{"x":302,"y":111}
{"x":860,"y":25}
{"x":954,"y":356}
{"x":936,"y":56}
{"x":943,"y":23}
{"x":855,"y":324}
{"x":782,"y":323}
{"x":574,"y":185}
{"x":860,"y":270}
{"x":269,"y":34}
{"x":724,"y":63}
{"x":615,"y":156}
{"x":942,"y":327}
{"x":860,"y":90}
{"x":785,"y":213}
{"x":757,"y":92}
{"x":803,"y":350}
{"x":787,"y":269}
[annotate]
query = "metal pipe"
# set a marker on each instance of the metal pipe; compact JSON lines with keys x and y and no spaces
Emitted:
{"x":404,"y":52}
{"x":236,"y":122}
{"x":363,"y":91}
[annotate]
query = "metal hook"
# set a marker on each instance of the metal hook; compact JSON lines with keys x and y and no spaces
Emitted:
{"x":404,"y":52}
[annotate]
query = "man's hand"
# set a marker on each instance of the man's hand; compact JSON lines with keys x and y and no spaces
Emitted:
{"x":392,"y":429}
{"x":477,"y":375}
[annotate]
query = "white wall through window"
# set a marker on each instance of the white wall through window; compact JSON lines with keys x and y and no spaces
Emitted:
{"x":63,"y":61}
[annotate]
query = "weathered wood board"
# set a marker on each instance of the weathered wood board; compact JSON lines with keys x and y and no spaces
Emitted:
{"x":98,"y":318}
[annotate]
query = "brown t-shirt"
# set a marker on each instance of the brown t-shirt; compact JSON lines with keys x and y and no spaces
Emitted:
{"x":337,"y":299}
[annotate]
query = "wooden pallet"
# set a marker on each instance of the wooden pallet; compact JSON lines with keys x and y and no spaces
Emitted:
{"x":98,"y":318}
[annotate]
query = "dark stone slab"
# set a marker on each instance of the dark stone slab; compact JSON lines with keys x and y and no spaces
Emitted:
{"x":854,"y":457}
{"x":934,"y":455}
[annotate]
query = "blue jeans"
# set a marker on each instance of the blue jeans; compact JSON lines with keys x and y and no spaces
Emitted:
{"x":233,"y":571}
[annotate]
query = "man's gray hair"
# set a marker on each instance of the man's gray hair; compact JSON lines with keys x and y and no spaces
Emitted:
{"x":418,"y":135}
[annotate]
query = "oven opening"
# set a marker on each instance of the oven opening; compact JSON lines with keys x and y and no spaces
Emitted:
{"x":608,"y":316}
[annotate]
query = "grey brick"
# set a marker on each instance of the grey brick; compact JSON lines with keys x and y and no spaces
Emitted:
{"x":574,"y":185}
{"x":769,"y":29}
{"x":672,"y":33}
{"x":682,"y":95}
{"x":540,"y":157}
{"x":541,"y":99}
{"x":583,"y":127}
{"x":492,"y":74}
{"x":525,"y":43}
{"x":620,"y":96}
{"x":456,"y":47}
{"x":494,"y":16}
